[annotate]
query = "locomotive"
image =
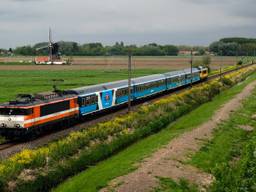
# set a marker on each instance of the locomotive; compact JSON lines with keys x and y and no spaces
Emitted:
{"x":45,"y":110}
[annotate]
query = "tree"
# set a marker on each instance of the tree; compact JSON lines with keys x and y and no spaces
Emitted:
{"x":206,"y":61}
{"x":170,"y":50}
{"x":234,"y":46}
{"x":25,"y":50}
{"x":201,"y":51}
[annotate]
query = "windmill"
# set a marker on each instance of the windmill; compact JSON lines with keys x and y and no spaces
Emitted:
{"x":54,"y":56}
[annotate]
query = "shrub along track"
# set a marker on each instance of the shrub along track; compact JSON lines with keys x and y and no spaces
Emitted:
{"x":168,"y":161}
{"x":12,"y":147}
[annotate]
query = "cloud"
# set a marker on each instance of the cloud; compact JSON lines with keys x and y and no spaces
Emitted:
{"x":141,"y":21}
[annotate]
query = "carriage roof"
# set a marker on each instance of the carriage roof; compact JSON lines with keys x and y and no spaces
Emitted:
{"x":100,"y":87}
{"x":149,"y":78}
{"x":124,"y":83}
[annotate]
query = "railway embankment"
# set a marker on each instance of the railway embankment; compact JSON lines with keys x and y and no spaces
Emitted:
{"x":170,"y":161}
{"x":43,"y":168}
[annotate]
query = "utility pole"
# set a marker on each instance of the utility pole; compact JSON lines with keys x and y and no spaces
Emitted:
{"x":129,"y":79}
{"x":236,"y":58}
{"x":50,"y":46}
{"x":253,"y":57}
{"x":191,"y":67}
{"x":221,"y":53}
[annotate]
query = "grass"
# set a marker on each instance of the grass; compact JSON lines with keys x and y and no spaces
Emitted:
{"x":98,"y":176}
{"x":168,"y":185}
{"x":16,"y":63}
{"x":2,"y":139}
{"x":224,"y":145}
{"x":228,"y":156}
{"x":228,"y":139}
{"x":15,"y":82}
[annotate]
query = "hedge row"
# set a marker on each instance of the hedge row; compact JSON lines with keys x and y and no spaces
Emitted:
{"x":43,"y":168}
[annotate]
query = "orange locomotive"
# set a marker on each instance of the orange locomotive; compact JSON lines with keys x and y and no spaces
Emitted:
{"x":42,"y":110}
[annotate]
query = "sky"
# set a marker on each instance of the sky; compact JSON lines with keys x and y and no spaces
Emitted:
{"x":179,"y":22}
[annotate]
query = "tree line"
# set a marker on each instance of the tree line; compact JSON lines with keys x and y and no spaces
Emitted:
{"x":224,"y":47}
{"x":234,"y":47}
{"x":97,"y":49}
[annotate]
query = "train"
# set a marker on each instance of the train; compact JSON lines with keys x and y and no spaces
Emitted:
{"x":38,"y":112}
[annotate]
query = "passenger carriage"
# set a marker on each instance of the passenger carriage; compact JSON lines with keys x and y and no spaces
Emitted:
{"x":148,"y":85}
{"x":175,"y":79}
{"x":100,"y":97}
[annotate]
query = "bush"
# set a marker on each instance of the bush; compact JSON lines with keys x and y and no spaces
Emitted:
{"x":240,"y":62}
{"x":239,"y":177}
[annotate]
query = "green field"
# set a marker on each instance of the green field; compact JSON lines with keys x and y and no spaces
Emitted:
{"x":16,"y":63}
{"x":15,"y":82}
{"x":98,"y":176}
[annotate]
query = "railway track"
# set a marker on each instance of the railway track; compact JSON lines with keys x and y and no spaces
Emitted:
{"x":6,"y":145}
{"x":11,"y":147}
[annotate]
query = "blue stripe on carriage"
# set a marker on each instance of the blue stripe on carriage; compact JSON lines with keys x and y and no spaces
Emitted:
{"x":194,"y":79}
{"x":184,"y":82}
{"x":149,"y":91}
{"x":122,"y":99}
{"x":87,"y":109}
{"x":174,"y":85}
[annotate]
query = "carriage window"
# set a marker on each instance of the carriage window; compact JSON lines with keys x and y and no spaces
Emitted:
{"x":89,"y":100}
{"x":122,"y":92}
{"x":195,"y":74}
{"x":188,"y":76}
{"x":149,"y":85}
{"x":9,"y":111}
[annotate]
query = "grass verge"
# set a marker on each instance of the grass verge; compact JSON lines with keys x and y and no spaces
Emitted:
{"x":99,"y":175}
{"x":230,"y":155}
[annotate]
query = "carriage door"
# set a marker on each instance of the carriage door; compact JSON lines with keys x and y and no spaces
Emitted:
{"x":107,"y":98}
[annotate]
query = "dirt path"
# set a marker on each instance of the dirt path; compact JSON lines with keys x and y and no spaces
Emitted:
{"x":167,"y":162}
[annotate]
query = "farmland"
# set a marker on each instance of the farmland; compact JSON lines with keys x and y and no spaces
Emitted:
{"x":116,"y":62}
{"x":16,"y":77}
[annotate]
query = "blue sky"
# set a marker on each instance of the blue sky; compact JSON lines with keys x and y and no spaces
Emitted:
{"x":196,"y":22}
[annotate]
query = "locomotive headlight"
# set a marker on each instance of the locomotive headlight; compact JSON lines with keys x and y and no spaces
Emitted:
{"x":3,"y":125}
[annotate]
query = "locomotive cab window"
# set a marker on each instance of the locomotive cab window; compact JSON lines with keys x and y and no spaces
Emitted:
{"x":17,"y":111}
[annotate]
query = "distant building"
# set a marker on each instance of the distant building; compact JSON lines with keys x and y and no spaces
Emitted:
{"x":42,"y":60}
{"x":45,"y":60}
{"x":187,"y":52}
